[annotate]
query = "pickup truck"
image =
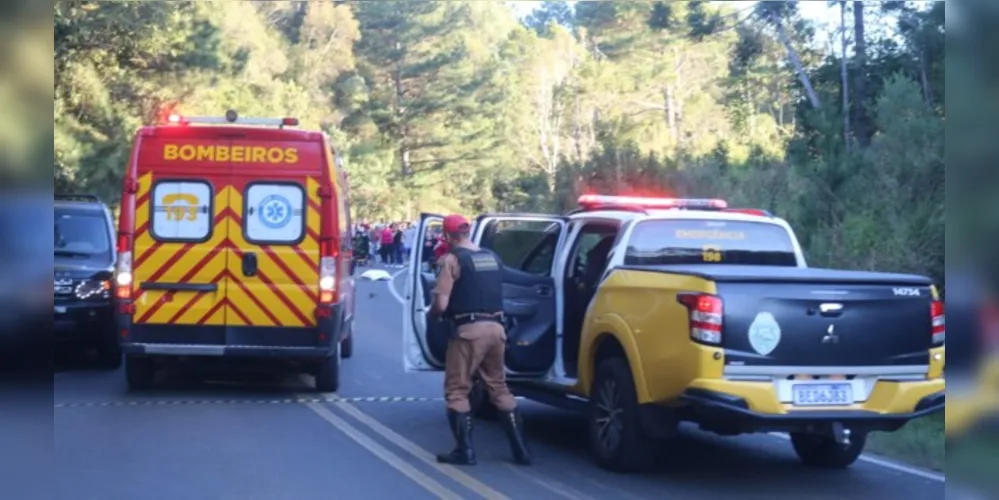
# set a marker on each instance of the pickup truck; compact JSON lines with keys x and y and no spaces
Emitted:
{"x":643,"y":313}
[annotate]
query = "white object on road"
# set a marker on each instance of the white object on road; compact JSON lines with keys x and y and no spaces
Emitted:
{"x":376,"y":275}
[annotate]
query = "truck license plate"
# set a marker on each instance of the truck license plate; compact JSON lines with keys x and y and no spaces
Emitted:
{"x":60,"y":310}
{"x":822,"y":394}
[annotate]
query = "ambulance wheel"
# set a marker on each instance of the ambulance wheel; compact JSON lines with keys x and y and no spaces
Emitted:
{"x":478,"y":398}
{"x":821,"y":450}
{"x":108,"y":350}
{"x":347,"y":344}
{"x":617,"y":440}
{"x":328,"y":374}
{"x":109,"y":354}
{"x":140,"y":373}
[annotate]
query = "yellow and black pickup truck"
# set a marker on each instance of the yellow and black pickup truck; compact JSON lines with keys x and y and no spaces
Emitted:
{"x":645,"y":313}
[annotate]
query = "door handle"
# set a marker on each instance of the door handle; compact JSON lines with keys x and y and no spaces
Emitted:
{"x":179,"y":287}
{"x":544,"y":291}
{"x":249,"y":264}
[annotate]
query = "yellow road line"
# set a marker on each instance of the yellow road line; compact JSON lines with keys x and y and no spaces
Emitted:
{"x":383,"y":453}
{"x":552,"y":486}
{"x":458,"y":475}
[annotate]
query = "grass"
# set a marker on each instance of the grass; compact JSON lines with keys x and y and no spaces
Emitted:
{"x":972,"y":461}
{"x":919,"y":443}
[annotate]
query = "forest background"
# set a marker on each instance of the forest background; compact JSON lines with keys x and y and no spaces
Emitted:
{"x":485,"y":106}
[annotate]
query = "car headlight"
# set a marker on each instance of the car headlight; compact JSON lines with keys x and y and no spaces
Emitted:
{"x":91,"y":289}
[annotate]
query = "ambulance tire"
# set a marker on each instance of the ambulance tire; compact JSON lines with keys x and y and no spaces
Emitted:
{"x":613,"y":396}
{"x":328,"y":374}
{"x":108,"y":352}
{"x":140,"y":373}
{"x":347,"y":344}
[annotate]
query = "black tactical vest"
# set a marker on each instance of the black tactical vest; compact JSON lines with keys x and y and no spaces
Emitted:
{"x":479,"y":289}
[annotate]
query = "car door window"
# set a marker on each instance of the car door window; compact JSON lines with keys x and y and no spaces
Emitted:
{"x":526,"y":245}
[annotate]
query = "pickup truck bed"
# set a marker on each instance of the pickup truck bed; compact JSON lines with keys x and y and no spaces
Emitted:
{"x":777,"y":319}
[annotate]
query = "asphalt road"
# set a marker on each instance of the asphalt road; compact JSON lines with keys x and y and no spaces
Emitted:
{"x":269,"y":437}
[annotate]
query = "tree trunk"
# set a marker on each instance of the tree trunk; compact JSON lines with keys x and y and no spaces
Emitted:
{"x":862,"y":125}
{"x":670,"y":104}
{"x":813,"y":98}
{"x":845,"y":76}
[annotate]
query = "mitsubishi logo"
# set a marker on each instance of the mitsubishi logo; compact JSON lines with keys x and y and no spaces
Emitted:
{"x":830,"y":337}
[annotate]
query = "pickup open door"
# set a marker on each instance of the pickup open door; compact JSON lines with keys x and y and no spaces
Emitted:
{"x":532,"y":297}
{"x":424,"y":336}
{"x":528,"y":244}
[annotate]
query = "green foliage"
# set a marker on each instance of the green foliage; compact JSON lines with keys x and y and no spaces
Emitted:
{"x":458,"y":106}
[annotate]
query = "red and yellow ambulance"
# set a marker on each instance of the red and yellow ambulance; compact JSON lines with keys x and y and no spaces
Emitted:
{"x":234,"y":241}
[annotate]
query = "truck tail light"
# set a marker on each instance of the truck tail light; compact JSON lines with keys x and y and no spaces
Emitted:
{"x":327,"y":272}
{"x":938,"y":324}
{"x":706,"y":313}
{"x":123,"y":276}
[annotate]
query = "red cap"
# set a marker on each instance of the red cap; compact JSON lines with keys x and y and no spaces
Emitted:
{"x":453,"y":223}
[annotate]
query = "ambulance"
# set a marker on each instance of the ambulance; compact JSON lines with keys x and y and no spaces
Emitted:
{"x":234,"y":244}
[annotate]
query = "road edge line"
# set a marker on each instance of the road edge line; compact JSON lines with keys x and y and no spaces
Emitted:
{"x":888,"y":464}
{"x":383,"y":453}
{"x":458,"y":475}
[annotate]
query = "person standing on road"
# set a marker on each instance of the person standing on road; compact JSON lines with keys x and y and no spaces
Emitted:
{"x":386,"y":244}
{"x":470,"y":293}
{"x":397,"y":246}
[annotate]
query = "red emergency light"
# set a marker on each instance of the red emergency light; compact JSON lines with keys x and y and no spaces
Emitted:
{"x":596,"y":200}
{"x":231,"y":117}
{"x":750,"y":211}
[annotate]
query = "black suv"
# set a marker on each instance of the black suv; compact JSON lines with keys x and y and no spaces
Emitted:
{"x":84,"y":266}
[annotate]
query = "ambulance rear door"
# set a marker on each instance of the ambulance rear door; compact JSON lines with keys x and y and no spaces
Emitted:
{"x":180,"y":246}
{"x":275,"y":235}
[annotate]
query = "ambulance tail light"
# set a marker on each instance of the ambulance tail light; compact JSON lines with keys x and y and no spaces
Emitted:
{"x":938,"y":325}
{"x":123,"y":270}
{"x":327,"y":272}
{"x":705,"y":315}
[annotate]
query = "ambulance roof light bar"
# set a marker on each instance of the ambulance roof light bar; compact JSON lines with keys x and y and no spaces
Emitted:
{"x":231,"y":117}
{"x":595,"y":201}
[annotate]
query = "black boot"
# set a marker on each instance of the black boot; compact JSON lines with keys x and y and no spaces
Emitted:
{"x":513,"y":424}
{"x":461,"y":427}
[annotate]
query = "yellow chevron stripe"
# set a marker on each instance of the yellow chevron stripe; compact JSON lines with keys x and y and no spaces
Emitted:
{"x":238,"y":298}
{"x":218,"y":318}
{"x":193,"y":314}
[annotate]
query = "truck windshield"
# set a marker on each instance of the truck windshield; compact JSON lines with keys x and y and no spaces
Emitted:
{"x":690,"y":241}
{"x":81,"y":233}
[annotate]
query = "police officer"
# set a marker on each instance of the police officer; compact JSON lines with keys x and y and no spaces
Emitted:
{"x":469,"y":292}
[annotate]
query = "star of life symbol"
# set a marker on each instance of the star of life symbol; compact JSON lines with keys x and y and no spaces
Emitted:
{"x":275,"y":211}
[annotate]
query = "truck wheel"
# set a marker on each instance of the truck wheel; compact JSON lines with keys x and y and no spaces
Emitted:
{"x":617,"y":440}
{"x":820,"y":450}
{"x":328,"y":373}
{"x":140,"y":373}
{"x":108,"y":352}
{"x":482,"y":407}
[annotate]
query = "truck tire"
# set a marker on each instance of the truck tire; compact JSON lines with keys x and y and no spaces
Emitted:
{"x":617,"y":440}
{"x":818,"y":450}
{"x":328,"y":373}
{"x":140,"y":373}
{"x":482,"y":406}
